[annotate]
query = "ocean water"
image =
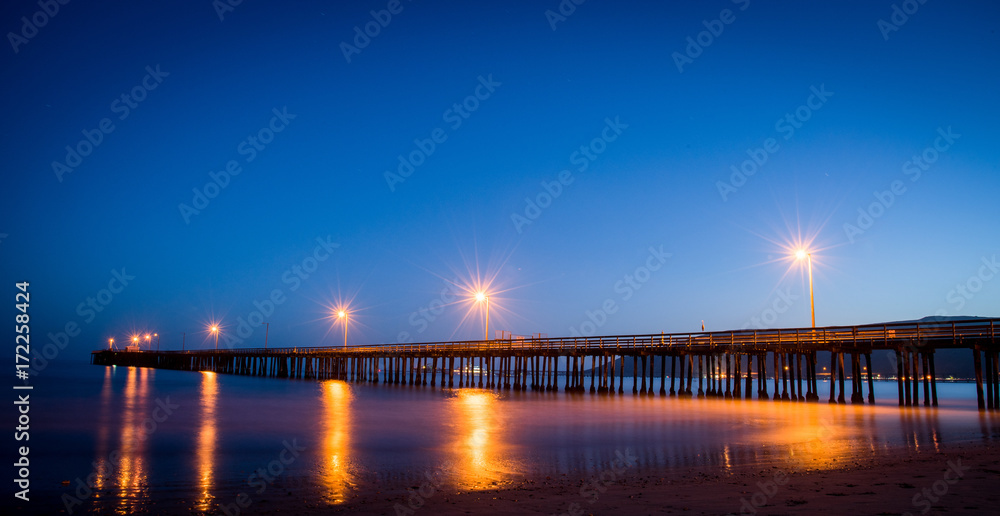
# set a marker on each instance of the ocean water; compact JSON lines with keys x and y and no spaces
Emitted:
{"x":126,"y":440}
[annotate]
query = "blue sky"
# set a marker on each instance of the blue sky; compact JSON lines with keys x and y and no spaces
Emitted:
{"x":643,"y":193}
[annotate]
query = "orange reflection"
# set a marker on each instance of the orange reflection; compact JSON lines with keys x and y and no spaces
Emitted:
{"x":480,"y":460}
{"x":335,"y":452}
{"x":132,"y":481}
{"x":206,"y":440}
{"x":819,"y":436}
{"x":103,"y":434}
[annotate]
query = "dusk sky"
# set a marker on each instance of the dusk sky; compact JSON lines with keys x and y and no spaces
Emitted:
{"x":573,"y":164}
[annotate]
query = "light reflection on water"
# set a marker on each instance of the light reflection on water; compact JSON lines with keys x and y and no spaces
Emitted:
{"x":206,"y":440}
{"x":480,"y":456}
{"x":132,"y":481}
{"x":335,"y":450}
{"x":358,"y":437}
{"x":102,"y":446}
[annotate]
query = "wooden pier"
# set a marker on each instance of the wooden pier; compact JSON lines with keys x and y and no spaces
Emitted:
{"x":727,"y":364}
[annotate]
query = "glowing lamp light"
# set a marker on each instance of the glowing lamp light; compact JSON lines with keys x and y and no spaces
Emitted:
{"x":342,"y":315}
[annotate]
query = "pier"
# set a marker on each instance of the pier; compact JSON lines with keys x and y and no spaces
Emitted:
{"x":778,"y":364}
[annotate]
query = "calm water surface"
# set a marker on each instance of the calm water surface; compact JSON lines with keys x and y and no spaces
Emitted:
{"x":126,"y":438}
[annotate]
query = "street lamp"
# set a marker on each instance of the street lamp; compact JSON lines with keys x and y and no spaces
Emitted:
{"x":480,"y":297}
{"x":215,"y":330}
{"x":111,"y":343}
{"x":343,"y":315}
{"x":157,"y":335}
{"x":135,"y":342}
{"x":147,"y":343}
{"x":800,"y":254}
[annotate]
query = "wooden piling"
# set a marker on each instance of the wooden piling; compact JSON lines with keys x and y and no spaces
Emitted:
{"x":977,"y":364}
{"x":988,"y":369}
{"x":833,"y":376}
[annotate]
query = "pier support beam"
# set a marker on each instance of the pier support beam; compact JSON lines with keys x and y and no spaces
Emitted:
{"x":701,"y":375}
{"x":856,"y":396}
{"x":833,"y":376}
{"x":991,"y":402}
{"x":899,"y":375}
{"x":673,"y":373}
{"x":642,"y":390}
{"x":748,"y":389}
{"x":977,"y":364}
{"x":871,"y":385}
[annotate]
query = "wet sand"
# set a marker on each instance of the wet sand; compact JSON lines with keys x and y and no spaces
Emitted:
{"x":958,"y":479}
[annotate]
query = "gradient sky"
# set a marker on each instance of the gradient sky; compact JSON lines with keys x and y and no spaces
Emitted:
{"x":656,"y":184}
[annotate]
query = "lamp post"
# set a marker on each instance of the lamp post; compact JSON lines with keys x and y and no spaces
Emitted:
{"x":157,"y":335}
{"x":147,"y":343}
{"x":812,"y":304}
{"x":343,"y":315}
{"x":802,"y":253}
{"x":480,"y":296}
{"x":111,"y":343}
{"x":135,"y":342}
{"x":215,"y":330}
